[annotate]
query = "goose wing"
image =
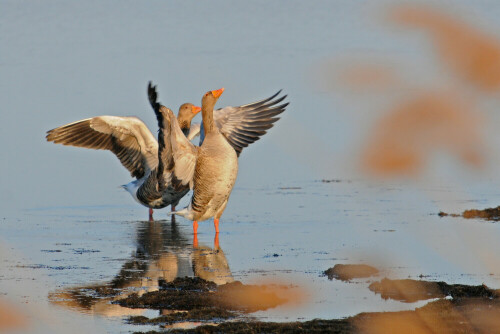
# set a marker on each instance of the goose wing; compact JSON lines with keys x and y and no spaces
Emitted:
{"x":177,"y":155}
{"x":243,"y":125}
{"x":194,"y":131}
{"x":127,"y":137}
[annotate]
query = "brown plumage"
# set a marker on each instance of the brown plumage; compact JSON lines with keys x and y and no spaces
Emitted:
{"x":244,"y":125}
{"x":210,"y":169}
{"x":136,"y":148}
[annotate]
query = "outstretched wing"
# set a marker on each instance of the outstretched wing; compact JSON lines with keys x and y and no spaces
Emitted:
{"x":127,"y":137}
{"x":245,"y":124}
{"x":194,"y":131}
{"x":177,"y":154}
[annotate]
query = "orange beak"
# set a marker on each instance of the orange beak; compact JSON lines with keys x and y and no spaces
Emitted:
{"x":195,"y":109}
{"x":218,"y":92}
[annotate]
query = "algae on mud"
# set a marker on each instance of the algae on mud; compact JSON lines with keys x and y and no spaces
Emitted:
{"x":469,"y":309}
{"x":487,"y":214}
{"x":409,"y":291}
{"x":467,"y":315}
{"x":195,"y":293}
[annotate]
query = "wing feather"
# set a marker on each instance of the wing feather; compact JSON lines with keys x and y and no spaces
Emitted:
{"x":177,"y":154}
{"x":245,"y":124}
{"x":127,"y":137}
{"x":194,"y":131}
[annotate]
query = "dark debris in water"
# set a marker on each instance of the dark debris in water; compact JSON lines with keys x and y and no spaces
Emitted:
{"x":346,"y":272}
{"x":492,"y":214}
{"x":43,"y":266}
{"x":331,"y":180}
{"x":198,"y":314}
{"x":83,"y":250}
{"x":336,"y":326}
{"x":189,"y":284}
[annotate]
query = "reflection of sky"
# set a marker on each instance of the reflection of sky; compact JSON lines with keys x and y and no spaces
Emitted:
{"x":384,"y":225}
{"x":62,"y":62}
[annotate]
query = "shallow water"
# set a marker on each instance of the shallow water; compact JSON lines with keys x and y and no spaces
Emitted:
{"x":66,"y":225}
{"x":53,"y":251}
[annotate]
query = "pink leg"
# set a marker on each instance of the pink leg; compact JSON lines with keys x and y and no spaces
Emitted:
{"x":216,"y":225}
{"x":195,"y":227}
{"x":151,"y":215}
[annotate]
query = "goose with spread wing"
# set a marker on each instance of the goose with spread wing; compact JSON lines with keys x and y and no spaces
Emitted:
{"x":210,"y":169}
{"x":241,"y":125}
{"x":136,"y":148}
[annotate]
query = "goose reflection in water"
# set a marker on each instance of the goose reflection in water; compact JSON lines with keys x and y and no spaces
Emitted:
{"x":163,"y":253}
{"x":211,"y":263}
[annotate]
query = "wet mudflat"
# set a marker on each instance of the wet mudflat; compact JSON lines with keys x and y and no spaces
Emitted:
{"x":470,"y":308}
{"x":107,"y":270}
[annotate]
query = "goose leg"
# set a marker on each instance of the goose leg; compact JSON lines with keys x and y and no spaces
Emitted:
{"x":151,"y":215}
{"x":216,"y":241}
{"x":195,"y":241}
{"x":216,"y":225}
{"x":173,"y":216}
{"x":195,"y":227}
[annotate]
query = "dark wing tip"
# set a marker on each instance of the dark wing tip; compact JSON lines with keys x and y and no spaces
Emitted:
{"x":153,"y":96}
{"x":258,"y":117}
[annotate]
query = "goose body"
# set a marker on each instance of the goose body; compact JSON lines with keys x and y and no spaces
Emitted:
{"x":215,"y":170}
{"x":215,"y":174}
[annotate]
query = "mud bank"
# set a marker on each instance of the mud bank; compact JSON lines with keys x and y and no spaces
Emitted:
{"x":488,"y":214}
{"x":465,"y":309}
{"x":467,"y":315}
{"x":196,"y":300}
{"x":408,"y":290}
{"x":197,"y":294}
{"x":347,"y":272}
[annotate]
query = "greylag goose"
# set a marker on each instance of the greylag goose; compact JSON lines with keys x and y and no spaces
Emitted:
{"x":136,"y":148}
{"x":241,"y":125}
{"x":210,"y":169}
